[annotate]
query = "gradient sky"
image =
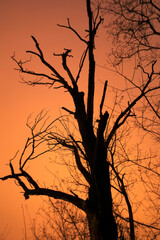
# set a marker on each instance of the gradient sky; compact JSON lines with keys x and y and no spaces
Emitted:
{"x":19,"y":19}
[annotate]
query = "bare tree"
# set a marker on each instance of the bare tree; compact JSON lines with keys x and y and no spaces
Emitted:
{"x":95,"y":147}
{"x":59,"y":220}
{"x":134,"y":27}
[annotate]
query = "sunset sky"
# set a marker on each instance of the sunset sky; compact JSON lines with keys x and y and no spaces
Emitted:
{"x":19,"y":19}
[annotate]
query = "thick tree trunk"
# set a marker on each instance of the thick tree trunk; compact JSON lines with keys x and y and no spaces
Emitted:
{"x":101,"y":221}
{"x":101,"y":227}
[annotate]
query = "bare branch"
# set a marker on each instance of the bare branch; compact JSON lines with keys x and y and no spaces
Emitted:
{"x":80,"y":166}
{"x":81,"y":63}
{"x":73,"y":30}
{"x":66,"y":68}
{"x":69,"y":111}
{"x":103,"y":97}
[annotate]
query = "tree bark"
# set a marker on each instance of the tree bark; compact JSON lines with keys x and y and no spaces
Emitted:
{"x":102,"y":225}
{"x":101,"y":221}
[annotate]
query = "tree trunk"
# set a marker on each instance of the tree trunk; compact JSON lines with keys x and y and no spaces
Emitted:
{"x":101,"y":221}
{"x":101,"y":227}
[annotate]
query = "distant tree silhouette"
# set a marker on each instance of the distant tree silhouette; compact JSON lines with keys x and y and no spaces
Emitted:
{"x":134,"y":28}
{"x":101,"y":162}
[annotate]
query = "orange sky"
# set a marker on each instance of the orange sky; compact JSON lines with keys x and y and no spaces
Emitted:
{"x":19,"y":19}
